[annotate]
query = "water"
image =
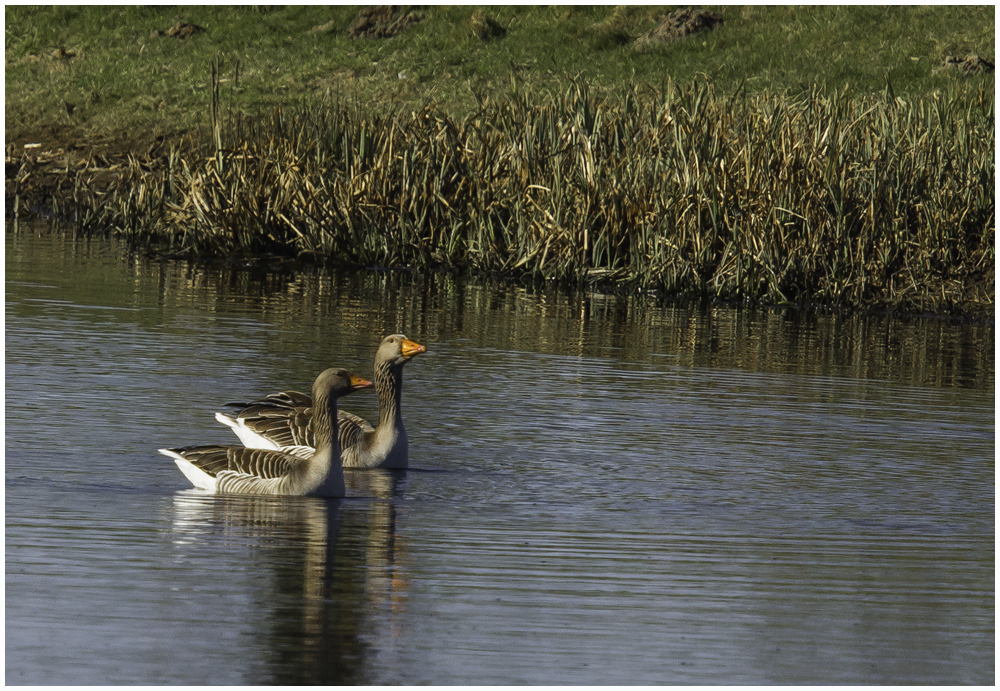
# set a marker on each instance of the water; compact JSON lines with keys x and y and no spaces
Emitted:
{"x":602,"y":490}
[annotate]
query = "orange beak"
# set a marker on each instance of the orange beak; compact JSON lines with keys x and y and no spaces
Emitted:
{"x":411,"y":349}
{"x":359,"y":383}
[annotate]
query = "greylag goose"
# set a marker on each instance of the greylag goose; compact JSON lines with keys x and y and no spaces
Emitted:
{"x":239,"y":470}
{"x":281,"y":421}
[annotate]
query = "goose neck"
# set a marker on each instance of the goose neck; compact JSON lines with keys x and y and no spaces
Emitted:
{"x":389,"y":385}
{"x":325,"y":471}
{"x":325,"y":421}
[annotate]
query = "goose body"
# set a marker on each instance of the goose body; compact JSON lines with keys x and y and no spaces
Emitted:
{"x":240,"y":470}
{"x":283,"y":421}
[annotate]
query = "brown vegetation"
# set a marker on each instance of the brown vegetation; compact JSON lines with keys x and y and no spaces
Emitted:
{"x":829,"y":200}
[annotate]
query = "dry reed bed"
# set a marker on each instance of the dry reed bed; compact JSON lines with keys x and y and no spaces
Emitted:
{"x":859,"y":202}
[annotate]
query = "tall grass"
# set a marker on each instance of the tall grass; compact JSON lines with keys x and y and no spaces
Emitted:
{"x":828,"y":199}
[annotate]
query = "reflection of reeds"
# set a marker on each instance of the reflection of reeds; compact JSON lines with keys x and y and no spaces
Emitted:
{"x":842,"y":201}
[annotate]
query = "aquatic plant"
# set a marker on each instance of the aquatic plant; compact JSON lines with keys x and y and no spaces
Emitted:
{"x":809,"y":198}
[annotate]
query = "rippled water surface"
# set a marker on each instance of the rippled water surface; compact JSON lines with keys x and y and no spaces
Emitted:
{"x":602,"y":490}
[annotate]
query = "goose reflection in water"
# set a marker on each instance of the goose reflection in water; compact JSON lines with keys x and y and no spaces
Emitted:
{"x":324,"y":575}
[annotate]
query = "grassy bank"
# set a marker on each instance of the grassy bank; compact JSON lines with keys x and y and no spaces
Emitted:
{"x":123,"y":74}
{"x":879,"y":192}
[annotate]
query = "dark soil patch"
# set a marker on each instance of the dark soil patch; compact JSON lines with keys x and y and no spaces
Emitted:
{"x":678,"y":25}
{"x":382,"y":21}
{"x":61,"y":53}
{"x":970,"y":64}
{"x":68,"y":139}
{"x":484,"y":27}
{"x":179,"y":30}
{"x":46,"y":166}
{"x":183,"y":30}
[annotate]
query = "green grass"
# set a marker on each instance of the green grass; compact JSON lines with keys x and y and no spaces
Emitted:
{"x":125,"y":82}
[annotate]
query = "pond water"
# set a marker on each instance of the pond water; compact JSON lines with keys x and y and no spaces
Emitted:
{"x":603,"y":489}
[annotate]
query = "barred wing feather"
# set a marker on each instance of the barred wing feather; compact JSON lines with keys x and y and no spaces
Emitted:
{"x":351,"y":428}
{"x":260,"y":463}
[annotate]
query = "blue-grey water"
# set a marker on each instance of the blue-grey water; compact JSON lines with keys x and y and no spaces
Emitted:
{"x":603,"y":489}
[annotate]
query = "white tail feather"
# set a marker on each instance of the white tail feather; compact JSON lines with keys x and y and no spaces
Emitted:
{"x":198,"y":477}
{"x":248,"y":437}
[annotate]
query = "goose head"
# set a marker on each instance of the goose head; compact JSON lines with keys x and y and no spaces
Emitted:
{"x":396,"y":350}
{"x":334,"y":383}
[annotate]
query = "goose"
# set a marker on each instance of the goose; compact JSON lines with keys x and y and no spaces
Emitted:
{"x":239,"y":470}
{"x":281,"y":421}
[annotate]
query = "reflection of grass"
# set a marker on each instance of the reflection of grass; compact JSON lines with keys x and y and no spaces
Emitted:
{"x":122,"y":77}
